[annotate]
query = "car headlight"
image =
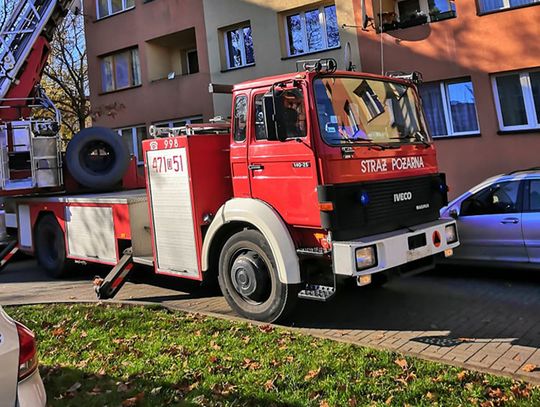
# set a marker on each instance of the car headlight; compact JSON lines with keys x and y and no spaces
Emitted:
{"x":451,"y":234}
{"x":366,"y":257}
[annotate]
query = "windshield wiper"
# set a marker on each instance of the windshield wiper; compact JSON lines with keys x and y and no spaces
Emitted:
{"x":368,"y":142}
{"x":417,"y":135}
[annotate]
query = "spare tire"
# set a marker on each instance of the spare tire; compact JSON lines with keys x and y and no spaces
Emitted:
{"x":97,"y":158}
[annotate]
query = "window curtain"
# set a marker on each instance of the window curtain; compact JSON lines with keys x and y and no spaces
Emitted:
{"x":490,"y":5}
{"x":433,"y":107}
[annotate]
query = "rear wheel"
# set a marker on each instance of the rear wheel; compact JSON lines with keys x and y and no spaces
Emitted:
{"x":51,"y":247}
{"x":249,"y":280}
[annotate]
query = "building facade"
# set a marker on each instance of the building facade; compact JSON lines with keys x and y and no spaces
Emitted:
{"x":481,"y":69}
{"x":151,"y":61}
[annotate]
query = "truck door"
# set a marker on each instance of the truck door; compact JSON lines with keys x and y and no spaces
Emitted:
{"x":239,"y":166}
{"x":284,"y":174}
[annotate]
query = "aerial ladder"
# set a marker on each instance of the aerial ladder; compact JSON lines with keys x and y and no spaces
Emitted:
{"x":29,"y":142}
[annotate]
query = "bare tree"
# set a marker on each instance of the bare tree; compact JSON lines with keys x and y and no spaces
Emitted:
{"x":66,"y":76}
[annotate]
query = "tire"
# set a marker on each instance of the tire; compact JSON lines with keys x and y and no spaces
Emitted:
{"x":249,"y":280}
{"x":97,"y":158}
{"x":51,"y":247}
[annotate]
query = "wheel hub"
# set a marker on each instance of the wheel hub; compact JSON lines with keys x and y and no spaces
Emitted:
{"x":249,"y":276}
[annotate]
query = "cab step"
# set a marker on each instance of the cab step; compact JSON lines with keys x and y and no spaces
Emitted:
{"x":312,"y":251}
{"x":316,"y":292}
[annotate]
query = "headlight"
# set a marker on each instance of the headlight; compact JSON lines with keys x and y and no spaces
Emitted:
{"x":366,"y":257}
{"x":451,"y":234}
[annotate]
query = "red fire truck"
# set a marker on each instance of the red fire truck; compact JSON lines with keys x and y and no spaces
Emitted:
{"x":321,"y":175}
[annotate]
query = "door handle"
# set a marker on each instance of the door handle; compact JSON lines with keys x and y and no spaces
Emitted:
{"x":511,"y":221}
{"x":254,"y":167}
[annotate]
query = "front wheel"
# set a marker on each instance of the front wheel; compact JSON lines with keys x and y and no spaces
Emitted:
{"x":249,"y":280}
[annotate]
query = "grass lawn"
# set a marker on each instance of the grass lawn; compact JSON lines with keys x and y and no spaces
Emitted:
{"x":107,"y":355}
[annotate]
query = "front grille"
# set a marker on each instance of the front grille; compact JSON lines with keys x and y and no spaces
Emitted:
{"x":385,"y":205}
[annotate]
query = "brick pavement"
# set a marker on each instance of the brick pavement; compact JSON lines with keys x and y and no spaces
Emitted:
{"x":483,"y":320}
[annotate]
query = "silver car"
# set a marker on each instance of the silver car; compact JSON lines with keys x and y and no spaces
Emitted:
{"x":20,"y":382}
{"x":499,"y":221}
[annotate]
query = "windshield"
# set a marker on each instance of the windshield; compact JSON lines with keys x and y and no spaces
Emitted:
{"x":356,"y":110}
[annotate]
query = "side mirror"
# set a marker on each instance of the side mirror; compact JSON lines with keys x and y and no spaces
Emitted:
{"x":454,"y":213}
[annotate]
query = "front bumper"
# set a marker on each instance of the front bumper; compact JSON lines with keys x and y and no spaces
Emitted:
{"x":392,"y":248}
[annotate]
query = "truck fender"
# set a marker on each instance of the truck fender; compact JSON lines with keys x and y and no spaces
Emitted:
{"x":269,"y":223}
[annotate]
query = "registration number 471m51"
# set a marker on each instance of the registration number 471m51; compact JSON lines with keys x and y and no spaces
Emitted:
{"x":167,"y":163}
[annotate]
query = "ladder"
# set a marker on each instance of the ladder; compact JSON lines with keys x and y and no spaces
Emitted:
{"x":26,"y":23}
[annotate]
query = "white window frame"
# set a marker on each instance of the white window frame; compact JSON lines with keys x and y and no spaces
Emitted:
{"x":448,"y":111}
{"x":133,"y":54}
{"x":109,"y":8}
{"x":506,"y":6}
{"x":528,"y":100}
{"x":322,"y":22}
{"x":134,"y":140}
{"x":242,"y":47}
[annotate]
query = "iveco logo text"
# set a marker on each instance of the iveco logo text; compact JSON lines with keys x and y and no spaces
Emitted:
{"x":403,"y":196}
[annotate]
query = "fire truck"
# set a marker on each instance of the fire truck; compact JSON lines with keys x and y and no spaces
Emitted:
{"x":321,"y":176}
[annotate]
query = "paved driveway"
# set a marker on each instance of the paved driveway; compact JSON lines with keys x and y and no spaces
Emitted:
{"x":482,"y":319}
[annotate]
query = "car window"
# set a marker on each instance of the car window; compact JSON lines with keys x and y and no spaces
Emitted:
{"x":260,"y":129}
{"x":498,"y":198}
{"x":240,"y":116}
{"x":534,"y":196}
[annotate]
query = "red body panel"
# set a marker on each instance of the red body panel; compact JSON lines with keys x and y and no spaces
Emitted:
{"x":122,"y":227}
{"x":209,"y":181}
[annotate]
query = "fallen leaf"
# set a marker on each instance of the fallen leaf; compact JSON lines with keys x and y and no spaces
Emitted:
{"x":402,"y":363}
{"x":312,"y":374}
{"x":389,"y":400}
{"x":352,"y":402}
{"x":266,"y":328}
{"x":324,"y":403}
{"x":58,"y":331}
{"x":529,"y":367}
{"x":74,"y":388}
{"x":269,"y":385}
{"x":431,"y":396}
{"x":462,"y":375}
{"x":378,"y":373}
{"x":521,"y":392}
{"x":133,"y":401}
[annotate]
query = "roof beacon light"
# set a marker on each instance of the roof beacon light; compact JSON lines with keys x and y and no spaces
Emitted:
{"x":325,"y":65}
{"x":414,"y":77}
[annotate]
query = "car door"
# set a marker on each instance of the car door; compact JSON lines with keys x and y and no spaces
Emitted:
{"x":9,"y":360}
{"x":490,"y":224}
{"x":531,"y":220}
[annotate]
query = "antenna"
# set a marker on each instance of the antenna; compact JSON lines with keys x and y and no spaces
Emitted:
{"x":347,"y":61}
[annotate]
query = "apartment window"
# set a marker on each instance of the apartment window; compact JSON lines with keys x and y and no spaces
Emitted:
{"x":133,"y":137}
{"x":312,"y":30}
{"x":109,"y":7}
{"x":494,"y":5}
{"x":120,"y":70}
{"x":517,"y":98}
{"x":450,"y":107}
{"x":180,"y":122}
{"x":239,"y":47}
{"x":408,"y":13}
